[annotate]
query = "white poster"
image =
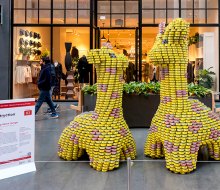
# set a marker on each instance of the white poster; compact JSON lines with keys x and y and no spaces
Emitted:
{"x":17,"y":133}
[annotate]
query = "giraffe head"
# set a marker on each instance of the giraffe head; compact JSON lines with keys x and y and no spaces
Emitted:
{"x":105,"y":57}
{"x":171,"y":45}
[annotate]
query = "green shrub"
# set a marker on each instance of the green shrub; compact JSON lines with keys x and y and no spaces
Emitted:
{"x":198,"y":90}
{"x":144,"y":88}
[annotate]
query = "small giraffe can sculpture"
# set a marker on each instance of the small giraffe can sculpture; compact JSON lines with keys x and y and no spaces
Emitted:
{"x":180,"y":125}
{"x":103,"y":134}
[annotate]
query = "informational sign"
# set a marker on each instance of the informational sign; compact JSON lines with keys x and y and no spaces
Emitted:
{"x":17,"y":133}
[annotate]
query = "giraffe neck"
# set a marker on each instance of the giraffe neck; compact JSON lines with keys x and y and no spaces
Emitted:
{"x":109,"y":90}
{"x":173,"y":83}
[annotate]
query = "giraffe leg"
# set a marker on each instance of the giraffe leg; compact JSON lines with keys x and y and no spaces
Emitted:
{"x":210,"y":149}
{"x":107,"y":158}
{"x":128,"y":148}
{"x":153,"y":146}
{"x":68,"y":145}
{"x":216,"y":147}
{"x":180,"y":160}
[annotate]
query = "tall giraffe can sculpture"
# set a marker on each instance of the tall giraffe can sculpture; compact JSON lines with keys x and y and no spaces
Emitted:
{"x":103,"y":134}
{"x":180,"y":125}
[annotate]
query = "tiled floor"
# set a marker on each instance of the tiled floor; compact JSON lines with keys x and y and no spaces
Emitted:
{"x":145,"y":175}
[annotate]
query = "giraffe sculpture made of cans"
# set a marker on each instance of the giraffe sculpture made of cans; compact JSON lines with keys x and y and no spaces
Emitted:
{"x":103,"y":134}
{"x":181,"y":125}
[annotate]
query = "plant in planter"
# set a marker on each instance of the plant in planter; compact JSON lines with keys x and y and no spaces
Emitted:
{"x":153,"y":87}
{"x":90,"y":89}
{"x":141,"y":88}
{"x":135,"y":88}
{"x":198,"y":90}
{"x":205,"y":78}
{"x":150,"y":88}
{"x":194,"y":39}
{"x":25,"y":51}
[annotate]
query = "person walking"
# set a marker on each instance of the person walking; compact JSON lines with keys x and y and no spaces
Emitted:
{"x":53,"y":84}
{"x":44,"y":85}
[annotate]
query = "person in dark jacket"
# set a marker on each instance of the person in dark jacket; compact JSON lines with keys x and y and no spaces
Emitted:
{"x":84,"y":68}
{"x":44,"y":85}
{"x":53,"y":84}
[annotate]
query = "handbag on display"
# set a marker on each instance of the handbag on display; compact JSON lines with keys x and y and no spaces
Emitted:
{"x":31,"y":34}
{"x":21,"y":32}
{"x":35,"y":35}
{"x":31,"y":43}
{"x":27,"y":33}
{"x":26,"y":42}
{"x":38,"y":36}
{"x":39,"y":45}
{"x":35,"y":44}
{"x":21,"y":42}
{"x":38,"y":52}
{"x":33,"y":52}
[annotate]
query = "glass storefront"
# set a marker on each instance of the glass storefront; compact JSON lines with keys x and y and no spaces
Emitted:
{"x":200,"y":56}
{"x":29,"y":43}
{"x":130,"y":26}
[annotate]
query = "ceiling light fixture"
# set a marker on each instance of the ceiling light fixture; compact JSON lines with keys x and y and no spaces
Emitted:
{"x":108,"y":37}
{"x":103,"y":36}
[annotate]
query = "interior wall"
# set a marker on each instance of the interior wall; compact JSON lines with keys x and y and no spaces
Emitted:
{"x":30,"y":89}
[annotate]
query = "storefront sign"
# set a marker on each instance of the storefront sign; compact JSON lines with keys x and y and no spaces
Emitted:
{"x":17,"y":132}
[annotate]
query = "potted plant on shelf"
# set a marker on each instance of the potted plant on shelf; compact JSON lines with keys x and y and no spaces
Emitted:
{"x":26,"y":52}
{"x":195,"y":39}
{"x":45,"y":53}
{"x":205,"y":78}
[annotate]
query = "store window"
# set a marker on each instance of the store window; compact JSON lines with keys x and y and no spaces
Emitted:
{"x":187,"y":4}
{"x":148,"y":38}
{"x":212,"y":4}
{"x":64,"y":12}
{"x":71,"y":4}
{"x":203,"y":53}
{"x":83,"y":17}
{"x":117,"y":13}
{"x":160,"y":4}
{"x":195,"y":12}
{"x":29,"y":43}
{"x":187,"y":15}
{"x":117,"y":7}
{"x":147,"y":4}
{"x":173,"y":4}
{"x":78,"y":40}
{"x":103,"y":7}
{"x":123,"y":42}
{"x":148,"y":16}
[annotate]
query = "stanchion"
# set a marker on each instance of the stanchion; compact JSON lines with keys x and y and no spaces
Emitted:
{"x":129,"y":172}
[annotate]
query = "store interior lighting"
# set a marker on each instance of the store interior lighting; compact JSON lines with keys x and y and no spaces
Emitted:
{"x":103,"y":36}
{"x":108,"y":37}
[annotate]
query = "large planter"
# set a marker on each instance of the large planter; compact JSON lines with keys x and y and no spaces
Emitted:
{"x":89,"y":102}
{"x":138,"y":110}
{"x":206,"y":100}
